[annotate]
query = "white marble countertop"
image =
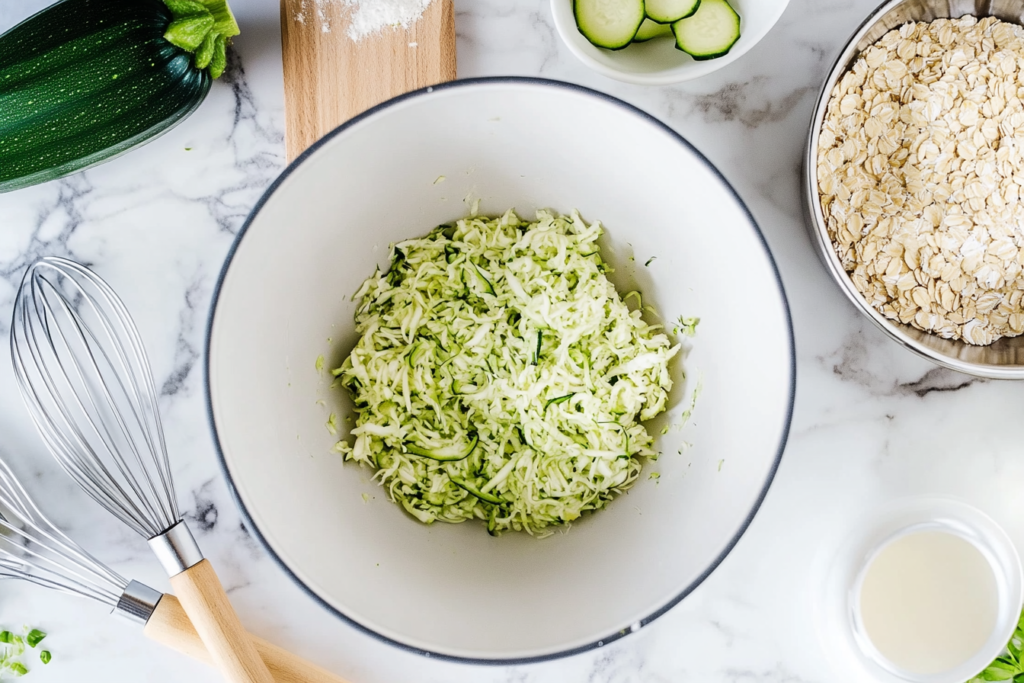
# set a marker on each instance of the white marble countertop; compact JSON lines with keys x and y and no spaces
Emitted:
{"x":872,"y":421}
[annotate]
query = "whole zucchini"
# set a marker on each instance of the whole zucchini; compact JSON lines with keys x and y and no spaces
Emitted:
{"x":84,"y":81}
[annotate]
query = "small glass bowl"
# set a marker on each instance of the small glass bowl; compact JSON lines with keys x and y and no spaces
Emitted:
{"x":838,"y":604}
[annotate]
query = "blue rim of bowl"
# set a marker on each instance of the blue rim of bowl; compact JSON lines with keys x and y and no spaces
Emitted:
{"x":469,"y":82}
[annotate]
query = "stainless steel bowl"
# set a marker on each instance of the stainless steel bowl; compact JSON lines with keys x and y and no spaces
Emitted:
{"x":1005,"y":358}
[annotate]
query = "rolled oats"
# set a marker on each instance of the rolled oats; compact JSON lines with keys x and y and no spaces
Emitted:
{"x":920,"y":168}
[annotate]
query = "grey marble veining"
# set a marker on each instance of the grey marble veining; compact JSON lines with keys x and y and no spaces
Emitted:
{"x":872,"y":422}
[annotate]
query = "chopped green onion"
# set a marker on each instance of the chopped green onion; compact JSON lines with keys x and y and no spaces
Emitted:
{"x":34,"y":637}
{"x":45,"y":656}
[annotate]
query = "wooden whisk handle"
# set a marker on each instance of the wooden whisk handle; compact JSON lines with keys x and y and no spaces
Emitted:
{"x":170,"y":626}
{"x":208,"y":608}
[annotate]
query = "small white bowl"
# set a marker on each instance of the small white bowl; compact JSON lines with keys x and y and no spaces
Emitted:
{"x":657,"y":61}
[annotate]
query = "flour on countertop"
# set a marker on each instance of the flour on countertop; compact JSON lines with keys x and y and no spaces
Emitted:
{"x":369,"y":17}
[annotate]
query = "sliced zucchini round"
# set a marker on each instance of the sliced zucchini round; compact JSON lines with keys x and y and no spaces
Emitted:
{"x":610,"y":24}
{"x":710,"y":32}
{"x":651,"y":29}
{"x":667,"y":11}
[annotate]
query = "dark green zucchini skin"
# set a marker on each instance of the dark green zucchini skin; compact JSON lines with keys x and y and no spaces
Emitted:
{"x":86,"y":80}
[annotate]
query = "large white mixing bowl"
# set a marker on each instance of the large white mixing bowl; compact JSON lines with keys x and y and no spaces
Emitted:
{"x":398,"y":171}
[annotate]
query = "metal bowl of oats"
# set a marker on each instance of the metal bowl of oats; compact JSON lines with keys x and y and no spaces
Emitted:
{"x":914,"y":179}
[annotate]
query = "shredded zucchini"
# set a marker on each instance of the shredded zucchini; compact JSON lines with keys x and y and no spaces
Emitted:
{"x":500,"y":376}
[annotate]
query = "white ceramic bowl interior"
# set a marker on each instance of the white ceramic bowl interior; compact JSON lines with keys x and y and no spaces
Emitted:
{"x":658,"y":62}
{"x":397,"y":172}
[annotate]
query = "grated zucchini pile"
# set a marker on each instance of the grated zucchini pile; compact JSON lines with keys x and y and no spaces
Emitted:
{"x":500,"y":376}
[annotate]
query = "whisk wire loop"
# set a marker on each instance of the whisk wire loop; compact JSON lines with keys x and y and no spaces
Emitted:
{"x":61,"y":435}
{"x":104,"y":404}
{"x":144,"y":395}
{"x":33,"y":549}
{"x":84,"y":373}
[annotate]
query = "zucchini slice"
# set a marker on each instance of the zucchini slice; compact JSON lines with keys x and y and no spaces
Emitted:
{"x":444,"y":453}
{"x":477,"y":275}
{"x":482,"y":279}
{"x":667,"y":11}
{"x":710,"y":32}
{"x":416,"y":352}
{"x":492,"y":522}
{"x":651,"y":29}
{"x":609,"y":24}
{"x":471,"y":488}
{"x":556,"y":401}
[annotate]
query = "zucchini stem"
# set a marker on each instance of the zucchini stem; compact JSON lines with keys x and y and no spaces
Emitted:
{"x":225,"y":21}
{"x":203,"y":28}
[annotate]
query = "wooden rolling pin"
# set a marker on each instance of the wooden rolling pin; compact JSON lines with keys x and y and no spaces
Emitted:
{"x":329,"y":78}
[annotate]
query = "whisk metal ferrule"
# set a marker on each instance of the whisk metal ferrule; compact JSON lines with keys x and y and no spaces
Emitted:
{"x":137,"y":603}
{"x":176,"y":549}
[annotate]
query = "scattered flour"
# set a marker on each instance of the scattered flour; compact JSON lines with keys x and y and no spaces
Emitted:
{"x":369,"y":17}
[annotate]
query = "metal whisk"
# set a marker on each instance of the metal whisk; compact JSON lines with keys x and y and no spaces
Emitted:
{"x":33,"y":549}
{"x":85,"y":377}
